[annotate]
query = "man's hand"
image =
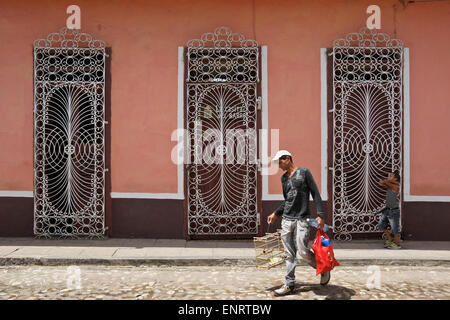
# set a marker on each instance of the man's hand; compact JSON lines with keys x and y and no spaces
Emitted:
{"x":321,"y":222}
{"x":271,"y":219}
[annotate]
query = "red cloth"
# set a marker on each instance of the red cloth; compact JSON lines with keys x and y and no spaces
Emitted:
{"x":324,"y":255}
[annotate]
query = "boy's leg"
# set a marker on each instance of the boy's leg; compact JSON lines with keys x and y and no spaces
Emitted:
{"x":395,"y":224}
{"x":288,"y":233}
{"x":384,"y":221}
{"x":388,"y":235}
{"x":394,"y":220}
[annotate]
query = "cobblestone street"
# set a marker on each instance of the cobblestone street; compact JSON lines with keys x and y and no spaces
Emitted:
{"x":219,"y":282}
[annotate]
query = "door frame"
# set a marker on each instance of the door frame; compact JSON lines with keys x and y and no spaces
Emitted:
{"x":258,"y":152}
{"x":67,"y":39}
{"x":329,"y":105}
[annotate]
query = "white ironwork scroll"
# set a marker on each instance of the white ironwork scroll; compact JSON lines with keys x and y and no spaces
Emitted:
{"x":367,"y":127}
{"x":69,"y":141}
{"x":221,"y":108}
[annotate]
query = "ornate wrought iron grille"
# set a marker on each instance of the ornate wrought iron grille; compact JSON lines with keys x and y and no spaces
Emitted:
{"x":221,"y":108}
{"x":69,"y":143}
{"x":367,"y":120}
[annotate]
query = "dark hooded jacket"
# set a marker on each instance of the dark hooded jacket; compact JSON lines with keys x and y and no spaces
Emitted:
{"x":296,"y":190}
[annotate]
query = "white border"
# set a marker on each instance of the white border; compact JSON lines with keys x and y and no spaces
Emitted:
{"x":180,"y":124}
{"x":16,"y":194}
{"x":406,"y":126}
{"x":180,"y":119}
{"x":323,"y":121}
{"x":137,"y":195}
{"x":324,"y":124}
{"x":407,"y":142}
{"x":265,"y":129}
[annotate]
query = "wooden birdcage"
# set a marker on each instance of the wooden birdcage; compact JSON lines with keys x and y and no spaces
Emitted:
{"x":269,"y":250}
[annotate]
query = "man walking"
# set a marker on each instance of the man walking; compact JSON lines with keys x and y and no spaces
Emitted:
{"x":297,"y":184}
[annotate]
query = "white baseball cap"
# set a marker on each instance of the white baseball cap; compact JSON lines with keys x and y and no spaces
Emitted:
{"x":279,"y":154}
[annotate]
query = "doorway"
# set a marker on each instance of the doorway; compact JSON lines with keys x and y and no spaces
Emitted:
{"x":366,"y":144}
{"x":69,"y":136}
{"x":222,"y":120}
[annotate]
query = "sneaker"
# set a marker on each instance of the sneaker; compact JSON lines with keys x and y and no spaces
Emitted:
{"x":387,"y":243}
{"x":325,"y":278}
{"x":395,"y":246}
{"x":284,"y":290}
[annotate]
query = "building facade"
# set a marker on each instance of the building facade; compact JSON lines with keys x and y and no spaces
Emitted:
{"x":157,"y":119}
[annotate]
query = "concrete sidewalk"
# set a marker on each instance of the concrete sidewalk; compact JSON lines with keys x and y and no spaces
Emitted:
{"x":18,"y":251}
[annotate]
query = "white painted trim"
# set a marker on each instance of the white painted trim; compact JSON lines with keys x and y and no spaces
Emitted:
{"x":407,"y":140}
{"x":427,"y":199}
{"x":265,"y":130}
{"x":180,"y":125}
{"x":180,"y":118}
{"x":323,"y":124}
{"x":130,"y":195}
{"x":136,"y":195}
{"x":17,"y":194}
{"x":180,"y":169}
{"x":407,"y":197}
{"x":406,"y":127}
{"x":265,"y":127}
{"x":274,"y":197}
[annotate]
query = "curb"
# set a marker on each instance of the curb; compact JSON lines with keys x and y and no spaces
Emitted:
{"x":192,"y":261}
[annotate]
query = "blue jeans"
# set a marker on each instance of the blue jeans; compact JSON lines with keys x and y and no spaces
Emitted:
{"x":390,"y":217}
{"x":295,"y":237}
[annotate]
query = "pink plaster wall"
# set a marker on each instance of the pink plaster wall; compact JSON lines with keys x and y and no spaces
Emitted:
{"x":144,"y":36}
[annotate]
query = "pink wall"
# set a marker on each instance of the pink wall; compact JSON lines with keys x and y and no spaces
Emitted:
{"x":425,"y":29}
{"x":144,"y":36}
